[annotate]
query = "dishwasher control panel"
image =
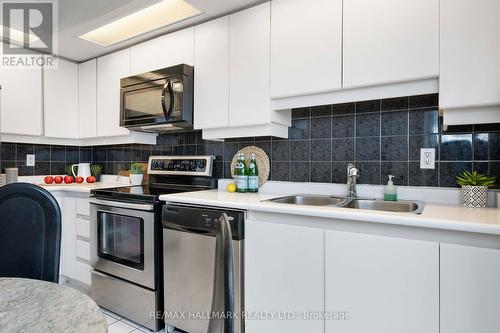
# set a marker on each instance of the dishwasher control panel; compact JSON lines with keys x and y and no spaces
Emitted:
{"x":201,"y":219}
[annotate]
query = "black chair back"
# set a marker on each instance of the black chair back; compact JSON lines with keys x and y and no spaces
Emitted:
{"x":30,"y":232}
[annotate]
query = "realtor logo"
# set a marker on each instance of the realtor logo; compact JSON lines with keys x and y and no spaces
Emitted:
{"x":28,"y":29}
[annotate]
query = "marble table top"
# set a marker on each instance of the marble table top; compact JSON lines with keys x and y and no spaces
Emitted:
{"x":39,"y":306}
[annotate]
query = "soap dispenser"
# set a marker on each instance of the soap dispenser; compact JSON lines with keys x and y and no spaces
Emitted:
{"x":390,"y":192}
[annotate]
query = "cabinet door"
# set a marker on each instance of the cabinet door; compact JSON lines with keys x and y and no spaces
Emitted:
{"x":87,"y":99}
{"x":211,"y":80}
{"x":389,"y":41}
{"x":388,"y":285}
{"x":306,"y":47}
{"x":283,"y":272}
{"x":470,"y":54}
{"x":21,"y":101}
{"x":470,"y":289}
{"x":60,"y":90}
{"x":249,"y":56}
{"x":110,"y":69}
{"x":68,"y":236}
{"x":165,"y":51}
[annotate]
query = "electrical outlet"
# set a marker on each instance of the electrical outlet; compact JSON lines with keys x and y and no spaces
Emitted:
{"x":30,"y":160}
{"x":427,"y":158}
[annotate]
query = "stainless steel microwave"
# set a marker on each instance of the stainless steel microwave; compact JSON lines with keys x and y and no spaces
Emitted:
{"x":157,"y":101}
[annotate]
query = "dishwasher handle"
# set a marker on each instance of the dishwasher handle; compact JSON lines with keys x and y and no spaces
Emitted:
{"x":222,"y":311}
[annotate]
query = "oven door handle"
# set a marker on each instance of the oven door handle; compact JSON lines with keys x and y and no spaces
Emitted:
{"x":120,"y":204}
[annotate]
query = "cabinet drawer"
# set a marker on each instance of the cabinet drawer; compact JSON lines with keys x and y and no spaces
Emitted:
{"x":83,"y":206}
{"x":82,"y":249}
{"x":82,"y":227}
{"x":83,"y":272}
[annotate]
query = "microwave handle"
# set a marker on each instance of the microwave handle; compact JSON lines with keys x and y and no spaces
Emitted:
{"x":167,"y":106}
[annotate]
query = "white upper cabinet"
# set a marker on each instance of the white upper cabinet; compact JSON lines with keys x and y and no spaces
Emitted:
{"x":169,"y":50}
{"x":233,"y":63}
{"x":21,"y":101}
{"x":389,"y":41}
{"x":87,"y":99}
{"x":249,"y":56}
{"x":211,"y":79}
{"x":470,"y":61}
{"x":470,"y":289}
{"x":388,"y":285}
{"x":110,"y":69}
{"x":60,"y":90}
{"x":306,"y":47}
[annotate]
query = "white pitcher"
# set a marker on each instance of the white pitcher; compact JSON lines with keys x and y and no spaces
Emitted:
{"x":83,"y":170}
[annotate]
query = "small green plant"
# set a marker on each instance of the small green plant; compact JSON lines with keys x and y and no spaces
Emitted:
{"x":135,"y":168}
{"x":473,"y":178}
{"x":95,"y":170}
{"x":68,"y":169}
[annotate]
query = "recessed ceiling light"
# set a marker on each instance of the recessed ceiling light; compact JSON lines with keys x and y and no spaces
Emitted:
{"x":157,"y":16}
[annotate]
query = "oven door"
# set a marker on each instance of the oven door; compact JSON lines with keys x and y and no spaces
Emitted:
{"x":122,"y":241}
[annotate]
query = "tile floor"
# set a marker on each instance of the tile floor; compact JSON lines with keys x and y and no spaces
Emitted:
{"x":118,"y":324}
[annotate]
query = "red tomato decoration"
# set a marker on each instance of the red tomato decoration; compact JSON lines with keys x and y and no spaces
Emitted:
{"x":48,"y":180}
{"x":79,"y":180}
{"x":69,"y":179}
{"x":58,"y":179}
{"x":90,"y":179}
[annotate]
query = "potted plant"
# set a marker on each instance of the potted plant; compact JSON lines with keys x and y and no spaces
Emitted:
{"x":96,"y":170}
{"x":474,"y":188}
{"x":68,"y":170}
{"x":135,"y":173}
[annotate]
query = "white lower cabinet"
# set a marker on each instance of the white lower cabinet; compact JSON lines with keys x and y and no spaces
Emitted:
{"x":283,"y":274}
{"x":75,"y":245}
{"x":354,"y":282}
{"x":388,"y":285}
{"x":470,"y":289}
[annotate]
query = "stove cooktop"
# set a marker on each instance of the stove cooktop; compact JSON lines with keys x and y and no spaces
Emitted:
{"x":136,"y":194}
{"x":167,"y":174}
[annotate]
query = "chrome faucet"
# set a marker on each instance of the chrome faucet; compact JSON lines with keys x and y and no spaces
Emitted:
{"x":352,"y":174}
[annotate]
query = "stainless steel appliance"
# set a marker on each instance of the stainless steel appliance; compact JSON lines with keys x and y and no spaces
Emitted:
{"x":126,"y":237}
{"x":203,"y":271}
{"x":161,"y":100}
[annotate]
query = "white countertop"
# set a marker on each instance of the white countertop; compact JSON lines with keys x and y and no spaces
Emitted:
{"x":108,"y":181}
{"x":439,"y":216}
{"x":81,"y":188}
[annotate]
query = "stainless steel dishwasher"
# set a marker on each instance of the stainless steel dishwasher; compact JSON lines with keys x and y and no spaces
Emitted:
{"x":203,"y":269}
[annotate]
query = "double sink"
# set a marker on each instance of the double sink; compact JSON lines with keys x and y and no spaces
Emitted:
{"x":414,"y":207}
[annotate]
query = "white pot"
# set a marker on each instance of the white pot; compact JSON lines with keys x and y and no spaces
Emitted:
{"x":474,"y":196}
{"x":136,"y":179}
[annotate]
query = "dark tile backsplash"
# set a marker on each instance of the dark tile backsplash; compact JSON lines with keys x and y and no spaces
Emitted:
{"x":381,"y":137}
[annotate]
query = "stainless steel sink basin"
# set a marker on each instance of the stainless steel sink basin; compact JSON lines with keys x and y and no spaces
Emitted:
{"x":415,"y":207}
{"x":386,"y":206}
{"x":316,"y":200}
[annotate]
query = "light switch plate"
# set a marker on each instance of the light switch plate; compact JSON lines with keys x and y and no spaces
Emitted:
{"x":30,"y":160}
{"x":427,"y":158}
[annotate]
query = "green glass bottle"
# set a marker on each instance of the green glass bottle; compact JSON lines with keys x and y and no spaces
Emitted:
{"x":253,"y":175}
{"x":241,"y":174}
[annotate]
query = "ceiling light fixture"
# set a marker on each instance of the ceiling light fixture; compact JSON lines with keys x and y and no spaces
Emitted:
{"x":159,"y":15}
